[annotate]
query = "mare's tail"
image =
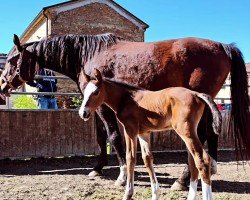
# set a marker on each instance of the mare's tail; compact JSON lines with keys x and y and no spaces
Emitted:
{"x":217,"y":118}
{"x":239,"y":120}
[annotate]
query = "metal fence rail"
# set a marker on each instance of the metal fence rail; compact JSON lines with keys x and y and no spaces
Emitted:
{"x":47,"y":93}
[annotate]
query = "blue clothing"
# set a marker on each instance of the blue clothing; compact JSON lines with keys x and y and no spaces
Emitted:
{"x":47,"y":103}
{"x":45,"y":85}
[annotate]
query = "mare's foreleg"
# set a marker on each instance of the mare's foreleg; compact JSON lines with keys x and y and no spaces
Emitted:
{"x":147,"y":157}
{"x":131,"y":149}
{"x":101,"y":140}
{"x":110,"y":122}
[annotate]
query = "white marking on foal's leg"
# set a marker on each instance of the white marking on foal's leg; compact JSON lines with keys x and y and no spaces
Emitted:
{"x":155,"y":188}
{"x":121,"y":180}
{"x":206,"y":191}
{"x":192,"y":190}
{"x":129,"y":190}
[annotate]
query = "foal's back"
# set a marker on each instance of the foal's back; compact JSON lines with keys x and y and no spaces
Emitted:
{"x":161,"y":110}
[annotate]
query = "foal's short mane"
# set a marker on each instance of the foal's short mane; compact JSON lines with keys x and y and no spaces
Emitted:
{"x":128,"y":86}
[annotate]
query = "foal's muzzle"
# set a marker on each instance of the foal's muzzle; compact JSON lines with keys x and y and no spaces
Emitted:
{"x":84,"y":114}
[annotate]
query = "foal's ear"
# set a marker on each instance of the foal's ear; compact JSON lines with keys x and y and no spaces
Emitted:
{"x":97,"y":74}
{"x":17,"y":43}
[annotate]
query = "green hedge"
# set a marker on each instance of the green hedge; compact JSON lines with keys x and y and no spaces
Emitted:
{"x":24,"y":102}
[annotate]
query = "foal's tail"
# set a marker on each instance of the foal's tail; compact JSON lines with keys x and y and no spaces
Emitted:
{"x":217,"y":118}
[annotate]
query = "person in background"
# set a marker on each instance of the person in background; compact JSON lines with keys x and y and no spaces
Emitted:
{"x":45,"y":84}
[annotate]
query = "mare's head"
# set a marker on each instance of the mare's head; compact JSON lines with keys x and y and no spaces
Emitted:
{"x":18,"y":69}
{"x":93,"y":95}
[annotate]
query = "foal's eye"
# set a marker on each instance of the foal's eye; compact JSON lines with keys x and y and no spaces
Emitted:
{"x":96,"y":92}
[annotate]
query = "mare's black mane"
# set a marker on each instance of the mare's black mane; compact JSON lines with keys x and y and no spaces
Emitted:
{"x":128,"y":86}
{"x":69,"y":53}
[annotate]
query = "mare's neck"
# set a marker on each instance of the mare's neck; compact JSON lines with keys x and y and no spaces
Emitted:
{"x":114,"y":95}
{"x":68,"y":67}
{"x":70,"y":72}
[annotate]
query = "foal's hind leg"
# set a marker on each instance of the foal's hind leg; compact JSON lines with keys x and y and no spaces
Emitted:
{"x":110,"y":122}
{"x":147,"y":157}
{"x":200,"y":161}
{"x":205,"y":133}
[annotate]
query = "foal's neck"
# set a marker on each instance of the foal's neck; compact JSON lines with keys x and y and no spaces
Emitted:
{"x":115,"y":94}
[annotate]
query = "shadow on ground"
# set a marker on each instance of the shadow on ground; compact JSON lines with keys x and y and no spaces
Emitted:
{"x":84,"y":164}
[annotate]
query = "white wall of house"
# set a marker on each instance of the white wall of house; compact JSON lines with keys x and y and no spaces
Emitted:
{"x":224,"y":92}
{"x":39,"y":33}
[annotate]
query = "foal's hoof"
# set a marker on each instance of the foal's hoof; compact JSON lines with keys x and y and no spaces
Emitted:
{"x":155,"y":197}
{"x":178,"y":187}
{"x":94,"y":174}
{"x":119,"y":182}
{"x":127,"y":197}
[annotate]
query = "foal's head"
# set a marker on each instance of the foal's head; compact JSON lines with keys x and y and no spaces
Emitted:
{"x":93,"y":95}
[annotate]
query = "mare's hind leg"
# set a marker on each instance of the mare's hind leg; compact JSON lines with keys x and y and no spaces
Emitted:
{"x":110,"y":122}
{"x":101,"y":140}
{"x":147,"y":157}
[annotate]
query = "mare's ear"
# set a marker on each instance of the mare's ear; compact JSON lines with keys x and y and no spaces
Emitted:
{"x":85,"y":76}
{"x":98,"y":75}
{"x":17,"y":43}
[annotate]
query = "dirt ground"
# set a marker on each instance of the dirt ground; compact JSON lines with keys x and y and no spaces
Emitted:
{"x":66,"y":178}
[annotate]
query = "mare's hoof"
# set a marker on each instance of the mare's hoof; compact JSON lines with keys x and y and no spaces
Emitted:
{"x":94,"y":174}
{"x":213,"y":167}
{"x":119,"y":182}
{"x":178,"y":187}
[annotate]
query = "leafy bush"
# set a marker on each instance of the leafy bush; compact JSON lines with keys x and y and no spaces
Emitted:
{"x":24,"y":102}
{"x":77,"y":101}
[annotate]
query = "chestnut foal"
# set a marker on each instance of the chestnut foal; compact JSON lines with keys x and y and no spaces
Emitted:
{"x":141,"y":112}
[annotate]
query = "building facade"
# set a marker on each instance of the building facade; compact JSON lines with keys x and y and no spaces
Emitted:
{"x":3,"y":58}
{"x":84,"y":17}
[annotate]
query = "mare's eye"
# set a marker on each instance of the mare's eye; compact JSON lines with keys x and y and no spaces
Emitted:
{"x":96,"y":92}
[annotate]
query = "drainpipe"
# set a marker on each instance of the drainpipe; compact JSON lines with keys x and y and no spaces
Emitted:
{"x":47,"y":22}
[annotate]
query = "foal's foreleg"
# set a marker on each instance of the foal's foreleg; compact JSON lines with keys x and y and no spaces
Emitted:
{"x":147,"y":157}
{"x":131,"y":149}
{"x":110,"y":122}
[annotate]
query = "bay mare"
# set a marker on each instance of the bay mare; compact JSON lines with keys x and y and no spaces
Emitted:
{"x":198,"y":64}
{"x":141,"y":112}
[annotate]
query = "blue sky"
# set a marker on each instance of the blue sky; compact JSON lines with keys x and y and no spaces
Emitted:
{"x":221,"y":20}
